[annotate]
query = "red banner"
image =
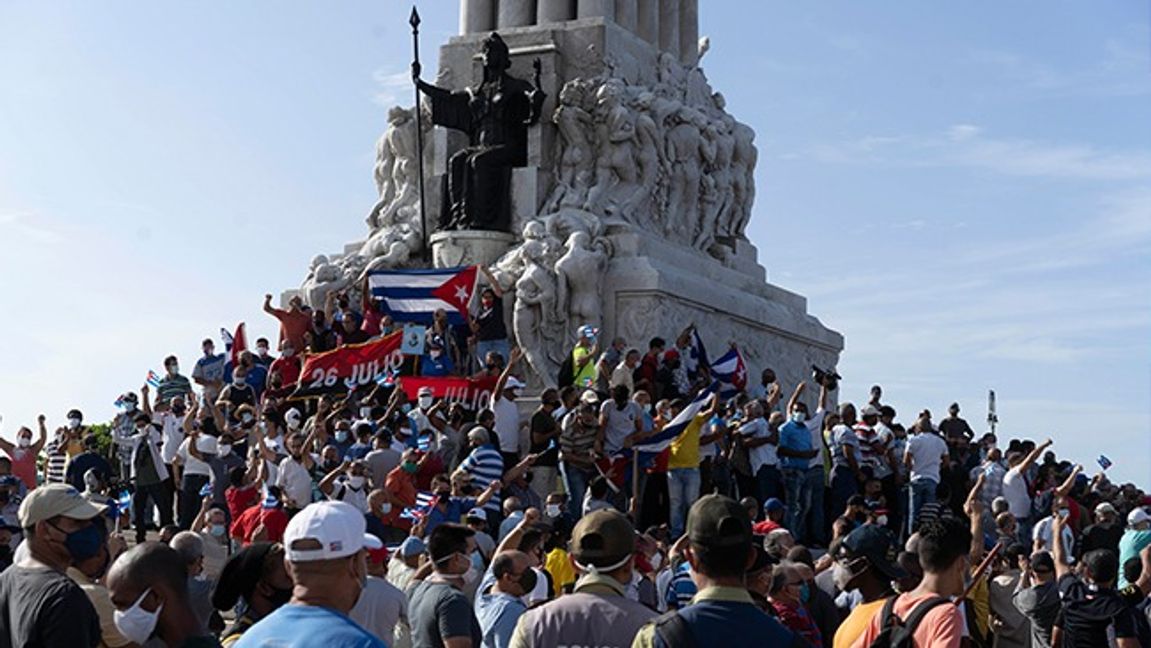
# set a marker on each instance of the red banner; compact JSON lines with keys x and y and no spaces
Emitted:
{"x":349,"y":366}
{"x":471,"y":394}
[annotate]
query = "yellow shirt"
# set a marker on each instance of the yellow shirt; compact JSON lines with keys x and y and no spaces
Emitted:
{"x":856,"y":622}
{"x":559,"y":565}
{"x":685,"y":447}
{"x":102,"y":601}
{"x":584,"y":376}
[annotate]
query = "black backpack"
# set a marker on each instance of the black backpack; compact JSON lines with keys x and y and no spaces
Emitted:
{"x":672,"y":630}
{"x":897,"y":633}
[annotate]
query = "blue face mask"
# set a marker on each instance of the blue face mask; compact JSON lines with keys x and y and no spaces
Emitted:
{"x":341,"y":436}
{"x":84,"y":543}
{"x":804,"y":592}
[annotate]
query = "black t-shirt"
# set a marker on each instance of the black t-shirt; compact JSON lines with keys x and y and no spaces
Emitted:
{"x":42,"y":608}
{"x":1098,"y":536}
{"x":544,"y":423}
{"x":1086,"y":613}
{"x":491,"y":322}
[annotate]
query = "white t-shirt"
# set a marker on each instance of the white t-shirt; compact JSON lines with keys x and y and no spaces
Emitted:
{"x":341,"y":492}
{"x":172,"y":433}
{"x":926,"y":451}
{"x":620,"y":424}
{"x":295,"y":481}
{"x":1015,"y":490}
{"x":507,"y":424}
{"x":1044,"y":531}
{"x":764,"y":455}
{"x":192,"y":465}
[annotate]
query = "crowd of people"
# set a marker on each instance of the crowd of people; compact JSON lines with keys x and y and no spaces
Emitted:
{"x":228,"y":513}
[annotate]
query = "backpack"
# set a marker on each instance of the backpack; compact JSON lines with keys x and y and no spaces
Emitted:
{"x":897,"y":633}
{"x":566,"y":374}
{"x":672,"y":630}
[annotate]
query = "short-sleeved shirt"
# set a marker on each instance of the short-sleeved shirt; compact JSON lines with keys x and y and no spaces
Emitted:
{"x":583,"y":376}
{"x":171,"y":386}
{"x":507,"y":424}
{"x":621,"y":424}
{"x":293,"y":325}
{"x":856,"y":623}
{"x":484,"y":465}
{"x":295,"y":481}
{"x":576,"y":439}
{"x":543,"y":423}
{"x":941,"y":627}
{"x":1086,"y":614}
{"x":490,"y":323}
{"x":766,"y":454}
{"x":192,"y":465}
{"x":42,"y":607}
{"x":874,"y":442}
{"x":843,"y":441}
{"x":926,"y":450}
{"x":307,"y":626}
{"x":210,"y":368}
{"x":497,"y":614}
{"x":438,"y":611}
{"x":1015,"y":490}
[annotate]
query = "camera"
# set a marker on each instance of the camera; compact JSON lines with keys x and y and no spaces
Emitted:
{"x":826,"y":377}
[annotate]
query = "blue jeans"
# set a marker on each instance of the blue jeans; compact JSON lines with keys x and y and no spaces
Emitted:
{"x":813,"y":530}
{"x":499,"y":346}
{"x":843,"y":486}
{"x":793,"y":481}
{"x":682,"y":492}
{"x":575,"y":482}
{"x":922,"y":493}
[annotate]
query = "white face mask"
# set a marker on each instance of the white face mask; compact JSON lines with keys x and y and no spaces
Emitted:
{"x":386,"y":508}
{"x":841,"y":576}
{"x":24,"y":442}
{"x":426,"y":402}
{"x":224,"y":450}
{"x":262,"y":350}
{"x":356,"y":481}
{"x":136,"y":623}
{"x":75,"y":422}
{"x":553,"y":510}
{"x":174,"y":369}
{"x":656,"y":561}
{"x":470,"y":575}
{"x":365,"y":412}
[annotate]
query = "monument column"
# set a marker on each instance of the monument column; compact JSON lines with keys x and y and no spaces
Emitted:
{"x":689,"y":32}
{"x":596,"y":9}
{"x":477,"y":16}
{"x":626,"y":14}
{"x":553,"y":11}
{"x":515,"y":13}
{"x":669,"y":26}
{"x":647,"y":21}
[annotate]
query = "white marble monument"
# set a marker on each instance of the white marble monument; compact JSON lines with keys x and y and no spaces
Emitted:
{"x":632,"y":210}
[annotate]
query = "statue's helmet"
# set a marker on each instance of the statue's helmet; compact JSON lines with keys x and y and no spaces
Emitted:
{"x":397,"y":114}
{"x":495,"y":54}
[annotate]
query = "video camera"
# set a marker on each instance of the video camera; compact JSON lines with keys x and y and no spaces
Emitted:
{"x":826,"y":377}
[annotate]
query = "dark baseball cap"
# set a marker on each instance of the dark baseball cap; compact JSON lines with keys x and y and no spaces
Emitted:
{"x":876,"y":545}
{"x":718,"y":521}
{"x":603,"y":538}
{"x":1042,"y":561}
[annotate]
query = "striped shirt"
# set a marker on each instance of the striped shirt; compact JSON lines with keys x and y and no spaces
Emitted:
{"x":172,"y":386}
{"x":577,"y":440}
{"x":873,"y":446}
{"x":57,"y":462}
{"x":485,"y":465}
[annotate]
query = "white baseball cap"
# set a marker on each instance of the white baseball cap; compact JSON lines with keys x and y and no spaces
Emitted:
{"x":514,"y":383}
{"x":477,"y":513}
{"x":1138,"y":516}
{"x":339,"y":527}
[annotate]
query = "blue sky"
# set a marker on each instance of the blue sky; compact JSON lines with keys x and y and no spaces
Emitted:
{"x":962,"y":189}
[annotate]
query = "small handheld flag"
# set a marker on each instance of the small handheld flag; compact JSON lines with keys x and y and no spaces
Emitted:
{"x":206,"y":490}
{"x":424,"y":503}
{"x":1104,"y":462}
{"x":124,"y":504}
{"x":153,"y":379}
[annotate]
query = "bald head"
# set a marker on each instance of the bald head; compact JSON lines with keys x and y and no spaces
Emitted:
{"x":149,"y":565}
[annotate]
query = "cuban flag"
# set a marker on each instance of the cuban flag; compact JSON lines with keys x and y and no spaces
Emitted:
{"x":731,"y":373}
{"x":672,"y":430}
{"x":424,"y":503}
{"x":415,"y":295}
{"x":1104,"y":462}
{"x":696,"y":354}
{"x":153,"y":378}
{"x":387,"y":378}
{"x":124,"y":504}
{"x":235,"y":343}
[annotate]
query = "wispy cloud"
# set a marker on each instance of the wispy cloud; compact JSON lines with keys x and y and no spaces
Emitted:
{"x":392,"y":87}
{"x":25,"y":224}
{"x":966,"y":145}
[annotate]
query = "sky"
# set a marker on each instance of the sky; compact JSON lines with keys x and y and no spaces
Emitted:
{"x":962,"y":189}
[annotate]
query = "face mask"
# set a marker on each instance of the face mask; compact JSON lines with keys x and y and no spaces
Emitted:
{"x":470,"y":575}
{"x":435,"y":354}
{"x":136,"y":623}
{"x":280,"y":597}
{"x":406,"y":408}
{"x":293,"y":424}
{"x":797,"y":417}
{"x":218,"y":530}
{"x":341,"y":436}
{"x":365,"y":412}
{"x":262,"y":350}
{"x":804,"y":592}
{"x":553,"y":510}
{"x":655,"y":560}
{"x":75,"y":422}
{"x":881,"y":520}
{"x":386,"y":508}
{"x":356,"y":481}
{"x":1063,"y":513}
{"x":426,"y":402}
{"x":239,"y":381}
{"x":410,"y":467}
{"x":84,"y":543}
{"x":24,"y":442}
{"x":224,"y":450}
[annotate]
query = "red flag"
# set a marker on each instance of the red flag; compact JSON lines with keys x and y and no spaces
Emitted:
{"x":239,"y":343}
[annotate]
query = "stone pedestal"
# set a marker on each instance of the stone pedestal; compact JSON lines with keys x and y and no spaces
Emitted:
{"x":469,"y":247}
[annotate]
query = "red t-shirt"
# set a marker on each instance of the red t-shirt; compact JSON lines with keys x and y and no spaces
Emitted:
{"x":273,"y":520}
{"x":24,"y":465}
{"x":402,"y":486}
{"x":289,"y":369}
{"x":239,"y":499}
{"x":293,"y":325}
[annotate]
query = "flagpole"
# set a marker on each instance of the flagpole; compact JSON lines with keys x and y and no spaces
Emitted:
{"x":414,"y":21}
